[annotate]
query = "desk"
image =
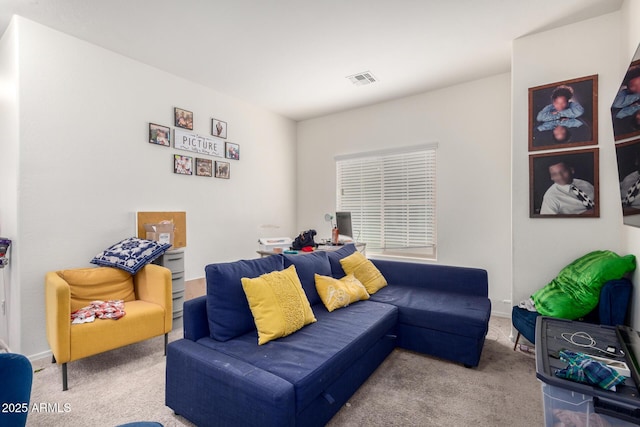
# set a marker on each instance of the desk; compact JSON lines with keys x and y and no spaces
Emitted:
{"x":361,"y":247}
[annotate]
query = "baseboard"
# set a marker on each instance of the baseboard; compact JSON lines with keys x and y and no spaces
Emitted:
{"x":40,"y":360}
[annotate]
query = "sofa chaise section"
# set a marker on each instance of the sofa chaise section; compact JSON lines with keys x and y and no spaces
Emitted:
{"x":443,"y":311}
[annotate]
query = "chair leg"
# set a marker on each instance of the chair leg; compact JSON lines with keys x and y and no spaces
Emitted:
{"x":516,"y":344}
{"x":166,"y":341}
{"x":64,"y":377}
{"x":53,"y":359}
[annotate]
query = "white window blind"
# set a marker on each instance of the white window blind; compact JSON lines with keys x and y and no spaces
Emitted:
{"x":392,"y":200}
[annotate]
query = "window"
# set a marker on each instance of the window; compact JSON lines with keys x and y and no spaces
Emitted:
{"x":391,"y":195}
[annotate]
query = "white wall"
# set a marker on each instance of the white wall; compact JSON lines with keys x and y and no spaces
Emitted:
{"x":9,"y":134}
{"x":86,"y":167}
{"x":631,"y":235}
{"x":471,"y":124}
{"x":542,"y":246}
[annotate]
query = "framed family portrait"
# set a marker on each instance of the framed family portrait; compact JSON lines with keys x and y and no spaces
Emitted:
{"x":232,"y":151}
{"x":219,"y":128}
{"x":625,"y":110}
{"x":628,"y":155}
{"x":183,"y":118}
{"x":564,"y":184}
{"x":204,"y":167}
{"x":182,"y":165}
{"x":564,"y":114}
{"x":222,"y":169}
{"x":160,"y":135}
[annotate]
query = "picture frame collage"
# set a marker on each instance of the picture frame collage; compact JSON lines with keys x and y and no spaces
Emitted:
{"x":563,"y":180}
{"x":217,"y":146}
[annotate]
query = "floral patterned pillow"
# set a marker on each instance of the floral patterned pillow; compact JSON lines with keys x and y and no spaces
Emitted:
{"x":130,"y":254}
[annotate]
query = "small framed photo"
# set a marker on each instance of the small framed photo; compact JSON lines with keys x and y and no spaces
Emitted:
{"x":160,"y":135}
{"x":232,"y":151}
{"x":184,"y":118}
{"x":564,"y":114}
{"x":219,"y":128}
{"x":182,"y":165}
{"x":564,"y":184}
{"x":223,"y":169}
{"x":204,"y":167}
{"x":625,"y":110}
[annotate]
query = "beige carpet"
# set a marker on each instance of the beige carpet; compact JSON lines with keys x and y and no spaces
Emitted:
{"x":408,"y":389}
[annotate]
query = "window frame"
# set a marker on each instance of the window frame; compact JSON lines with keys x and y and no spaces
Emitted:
{"x":405,"y":203}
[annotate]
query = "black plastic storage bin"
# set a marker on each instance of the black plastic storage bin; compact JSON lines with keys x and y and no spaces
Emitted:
{"x":581,"y":403}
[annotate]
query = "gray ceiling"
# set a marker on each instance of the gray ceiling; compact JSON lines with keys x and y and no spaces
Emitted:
{"x":292,"y":56}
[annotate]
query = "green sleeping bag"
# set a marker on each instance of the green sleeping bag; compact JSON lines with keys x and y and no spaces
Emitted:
{"x":576,"y":290}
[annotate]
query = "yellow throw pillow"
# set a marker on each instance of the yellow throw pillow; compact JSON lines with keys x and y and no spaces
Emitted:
{"x":336,"y":293}
{"x":278,"y":304}
{"x":365,"y":271}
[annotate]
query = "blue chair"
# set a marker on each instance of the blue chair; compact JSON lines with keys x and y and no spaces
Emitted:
{"x":612,"y":309}
{"x":17,"y":376}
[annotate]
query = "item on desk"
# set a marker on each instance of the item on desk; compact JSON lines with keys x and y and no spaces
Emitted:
{"x":304,"y":239}
{"x":274,"y":243}
{"x":335,"y":236}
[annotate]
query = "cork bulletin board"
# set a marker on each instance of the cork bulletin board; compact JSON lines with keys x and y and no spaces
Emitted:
{"x":179,"y":219}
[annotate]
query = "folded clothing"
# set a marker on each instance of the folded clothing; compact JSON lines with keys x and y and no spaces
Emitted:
{"x":112,"y":309}
{"x":584,"y":369}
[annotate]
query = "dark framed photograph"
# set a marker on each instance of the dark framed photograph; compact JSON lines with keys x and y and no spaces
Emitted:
{"x":182,"y":165}
{"x":564,"y":184}
{"x":219,"y":128}
{"x":223,"y":169}
{"x":184,"y":118}
{"x":625,"y":110}
{"x":564,"y":114}
{"x":232,"y":151}
{"x":160,"y":135}
{"x":628,"y":154}
{"x":204,"y":167}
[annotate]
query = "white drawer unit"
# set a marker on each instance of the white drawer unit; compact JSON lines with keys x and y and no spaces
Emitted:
{"x":174,"y":261}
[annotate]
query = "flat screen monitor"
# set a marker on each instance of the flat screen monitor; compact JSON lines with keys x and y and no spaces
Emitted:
{"x":343,"y":222}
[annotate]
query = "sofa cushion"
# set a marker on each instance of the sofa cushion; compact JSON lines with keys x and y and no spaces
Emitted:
{"x":336,"y":256}
{"x":278,"y":304}
{"x":102,"y":283}
{"x":227,"y":307}
{"x":457,"y":314}
{"x":338,"y":293}
{"x":130,"y":254}
{"x":307,"y":265}
{"x":365,"y":271}
{"x":317,"y":355}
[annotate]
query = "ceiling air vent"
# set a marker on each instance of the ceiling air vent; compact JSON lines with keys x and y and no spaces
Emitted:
{"x":363,"y":78}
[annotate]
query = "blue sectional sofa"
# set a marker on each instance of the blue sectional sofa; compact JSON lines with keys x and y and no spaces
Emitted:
{"x":218,"y":375}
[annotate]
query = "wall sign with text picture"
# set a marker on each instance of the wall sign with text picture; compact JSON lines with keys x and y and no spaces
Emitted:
{"x":189,"y":141}
{"x":564,"y":184}
{"x":564,"y":114}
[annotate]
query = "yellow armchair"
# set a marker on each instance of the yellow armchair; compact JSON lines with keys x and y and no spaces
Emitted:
{"x":147,"y":305}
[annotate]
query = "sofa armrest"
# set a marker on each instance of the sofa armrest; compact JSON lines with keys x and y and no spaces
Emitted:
{"x":204,"y":385}
{"x":57,"y":296}
{"x":462,"y":280}
{"x":153,"y":284}
{"x":196,"y":322}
